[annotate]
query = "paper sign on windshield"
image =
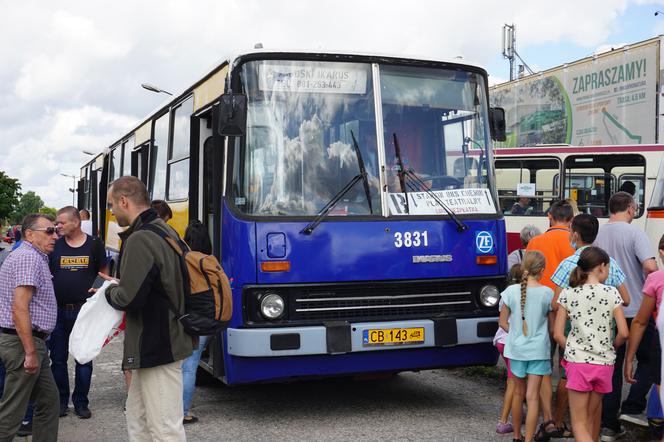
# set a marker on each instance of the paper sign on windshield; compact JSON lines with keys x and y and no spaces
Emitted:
{"x":333,"y":79}
{"x":460,"y":201}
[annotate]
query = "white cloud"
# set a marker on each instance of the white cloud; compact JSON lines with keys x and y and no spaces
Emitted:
{"x":71,"y":70}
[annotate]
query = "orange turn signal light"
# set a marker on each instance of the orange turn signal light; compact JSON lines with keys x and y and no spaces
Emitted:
{"x":275,"y":266}
{"x":486,"y":260}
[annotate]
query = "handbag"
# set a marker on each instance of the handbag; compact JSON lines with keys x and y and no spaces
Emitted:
{"x":96,"y":324}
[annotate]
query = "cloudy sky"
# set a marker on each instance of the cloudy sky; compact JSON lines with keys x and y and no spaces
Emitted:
{"x":70,"y":71}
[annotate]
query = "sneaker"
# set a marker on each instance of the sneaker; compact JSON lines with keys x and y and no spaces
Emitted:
{"x":636,"y":419}
{"x":83,"y":412}
{"x":25,"y":429}
{"x":504,"y":428}
{"x":609,"y":435}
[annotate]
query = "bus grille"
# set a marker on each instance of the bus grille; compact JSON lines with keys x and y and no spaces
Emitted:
{"x":379,"y":302}
{"x":324,"y":308}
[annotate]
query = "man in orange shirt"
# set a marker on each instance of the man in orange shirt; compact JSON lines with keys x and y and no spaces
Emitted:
{"x":554,"y":243}
{"x":555,"y":246}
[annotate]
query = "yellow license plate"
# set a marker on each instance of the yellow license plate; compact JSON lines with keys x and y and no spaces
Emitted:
{"x":392,"y":336}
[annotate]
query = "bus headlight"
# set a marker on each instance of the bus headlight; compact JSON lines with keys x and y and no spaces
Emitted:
{"x":489,"y":296}
{"x":272,"y":306}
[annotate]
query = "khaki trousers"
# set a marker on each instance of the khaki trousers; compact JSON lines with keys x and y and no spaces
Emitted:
{"x":20,"y":387}
{"x":154,"y":404}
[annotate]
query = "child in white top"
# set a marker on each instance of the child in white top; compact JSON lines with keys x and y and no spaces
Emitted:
{"x":504,"y":426}
{"x":524,"y":316}
{"x":589,"y":350}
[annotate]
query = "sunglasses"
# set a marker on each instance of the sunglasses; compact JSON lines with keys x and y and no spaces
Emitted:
{"x":48,"y":230}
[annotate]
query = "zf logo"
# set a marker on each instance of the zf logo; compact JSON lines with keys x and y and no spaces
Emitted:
{"x":483,"y":242}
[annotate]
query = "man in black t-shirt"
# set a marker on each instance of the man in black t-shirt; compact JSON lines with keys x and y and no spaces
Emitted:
{"x":75,"y":262}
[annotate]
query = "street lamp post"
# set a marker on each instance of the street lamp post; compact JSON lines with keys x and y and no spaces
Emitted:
{"x":73,"y":189}
{"x":153,"y":88}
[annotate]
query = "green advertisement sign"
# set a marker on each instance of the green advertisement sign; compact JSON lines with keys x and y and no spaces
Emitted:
{"x":609,"y":99}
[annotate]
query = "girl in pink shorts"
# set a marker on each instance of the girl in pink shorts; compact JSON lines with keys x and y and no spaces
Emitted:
{"x":589,"y":350}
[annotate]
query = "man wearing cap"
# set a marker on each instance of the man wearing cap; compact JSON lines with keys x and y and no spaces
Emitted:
{"x":28,"y":312}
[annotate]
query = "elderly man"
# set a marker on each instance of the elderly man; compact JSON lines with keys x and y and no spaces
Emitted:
{"x":28,"y":312}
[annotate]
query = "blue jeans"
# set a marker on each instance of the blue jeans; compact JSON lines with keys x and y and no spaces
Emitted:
{"x":189,"y":367}
{"x":31,"y":405}
{"x":58,"y":344}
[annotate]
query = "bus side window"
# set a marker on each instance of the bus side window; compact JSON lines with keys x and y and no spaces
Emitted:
{"x":178,"y":160}
{"x":591,"y":180}
{"x":513,"y":172}
{"x":158,"y":158}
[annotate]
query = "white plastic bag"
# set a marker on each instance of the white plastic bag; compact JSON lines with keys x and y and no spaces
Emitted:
{"x":95,"y":325}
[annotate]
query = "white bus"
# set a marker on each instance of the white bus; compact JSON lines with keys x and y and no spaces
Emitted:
{"x":528,"y":180}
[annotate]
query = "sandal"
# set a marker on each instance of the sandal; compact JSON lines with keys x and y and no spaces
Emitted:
{"x":189,"y":420}
{"x":542,"y":435}
{"x":564,"y":432}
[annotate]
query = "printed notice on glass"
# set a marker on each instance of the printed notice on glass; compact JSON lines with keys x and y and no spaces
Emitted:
{"x":312,"y":78}
{"x":459,"y":201}
{"x":525,"y":189}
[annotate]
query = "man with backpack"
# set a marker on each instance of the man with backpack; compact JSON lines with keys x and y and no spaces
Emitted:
{"x":151,"y":292}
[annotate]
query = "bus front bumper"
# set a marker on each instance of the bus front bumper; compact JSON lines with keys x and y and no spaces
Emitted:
{"x":344,"y":337}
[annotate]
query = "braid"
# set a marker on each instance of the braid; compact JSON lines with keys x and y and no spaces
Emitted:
{"x":524,"y":283}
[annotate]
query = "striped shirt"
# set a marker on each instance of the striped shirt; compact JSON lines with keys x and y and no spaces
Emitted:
{"x":561,"y":276}
{"x":28,"y":266}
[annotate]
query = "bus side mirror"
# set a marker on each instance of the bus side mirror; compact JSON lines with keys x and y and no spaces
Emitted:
{"x":232,"y":115}
{"x":497,"y":123}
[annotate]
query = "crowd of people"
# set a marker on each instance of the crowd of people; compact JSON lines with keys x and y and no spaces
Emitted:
{"x":587,"y":292}
{"x":44,"y":282}
{"x":593,"y":293}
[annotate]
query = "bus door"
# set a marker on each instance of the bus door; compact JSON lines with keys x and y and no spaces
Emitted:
{"x":211,"y":172}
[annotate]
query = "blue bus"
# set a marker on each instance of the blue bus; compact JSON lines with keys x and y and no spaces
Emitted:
{"x":350,"y":198}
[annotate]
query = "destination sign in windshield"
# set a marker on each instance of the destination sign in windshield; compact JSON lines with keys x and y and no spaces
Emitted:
{"x":338,"y":78}
{"x":459,"y":201}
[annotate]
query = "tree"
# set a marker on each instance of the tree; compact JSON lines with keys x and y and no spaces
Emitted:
{"x":30,"y":202}
{"x":48,"y":211}
{"x":9,"y":195}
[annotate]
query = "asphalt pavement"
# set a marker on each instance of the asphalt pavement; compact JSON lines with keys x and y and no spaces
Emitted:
{"x":439,"y":405}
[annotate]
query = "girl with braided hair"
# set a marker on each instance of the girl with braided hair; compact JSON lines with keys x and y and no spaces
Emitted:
{"x":525,"y":317}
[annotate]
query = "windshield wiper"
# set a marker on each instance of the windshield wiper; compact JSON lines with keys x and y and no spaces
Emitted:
{"x":336,"y":198}
{"x":467,"y":140}
{"x":461,"y":227}
{"x":363,"y":171}
{"x":402,"y":171}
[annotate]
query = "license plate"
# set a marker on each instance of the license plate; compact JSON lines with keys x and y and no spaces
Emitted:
{"x":393,"y":336}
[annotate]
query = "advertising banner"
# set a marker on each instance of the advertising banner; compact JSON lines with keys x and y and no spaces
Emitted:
{"x":609,"y":99}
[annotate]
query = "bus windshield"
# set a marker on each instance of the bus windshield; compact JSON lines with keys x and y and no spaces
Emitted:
{"x":308,"y":122}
